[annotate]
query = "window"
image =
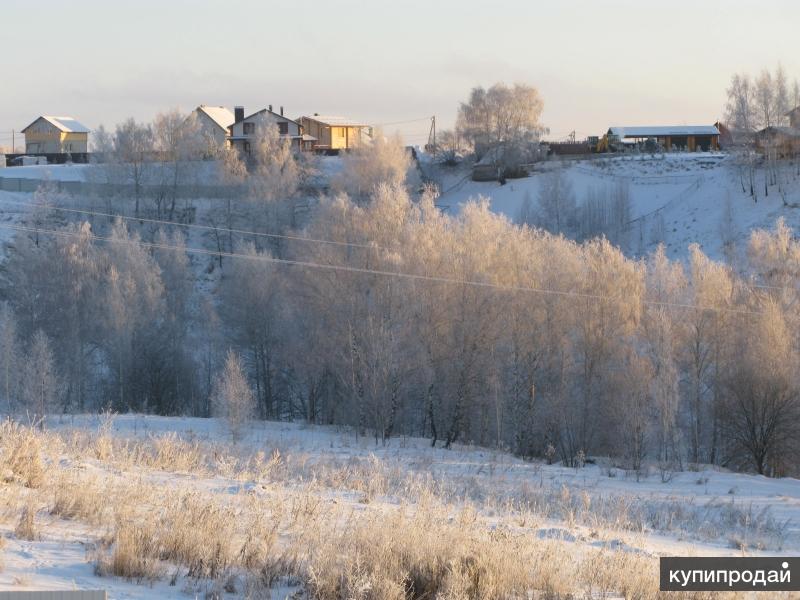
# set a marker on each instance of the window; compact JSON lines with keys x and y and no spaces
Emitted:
{"x":283,"y":128}
{"x":247,"y":147}
{"x":249,"y":128}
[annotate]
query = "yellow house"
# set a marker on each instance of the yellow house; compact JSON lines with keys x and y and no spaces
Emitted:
{"x":334,"y":133}
{"x":56,"y":135}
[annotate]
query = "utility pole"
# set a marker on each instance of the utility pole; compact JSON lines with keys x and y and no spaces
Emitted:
{"x":433,"y":119}
{"x":13,"y":145}
{"x":432,"y":136}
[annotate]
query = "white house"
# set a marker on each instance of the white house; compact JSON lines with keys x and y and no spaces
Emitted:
{"x":243,"y":129}
{"x":213,"y":122}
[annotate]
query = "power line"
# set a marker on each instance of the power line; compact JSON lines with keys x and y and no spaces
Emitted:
{"x":201,"y":227}
{"x":401,"y":122}
{"x":367,"y":246}
{"x":365,"y":271}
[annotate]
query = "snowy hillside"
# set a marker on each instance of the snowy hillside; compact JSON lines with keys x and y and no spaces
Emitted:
{"x":695,"y":194}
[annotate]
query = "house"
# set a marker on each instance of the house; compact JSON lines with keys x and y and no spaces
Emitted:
{"x":213,"y":122}
{"x":690,"y":137}
{"x":56,"y":135}
{"x":779,"y":142}
{"x":243,"y":129}
{"x":794,"y":117}
{"x":334,"y":133}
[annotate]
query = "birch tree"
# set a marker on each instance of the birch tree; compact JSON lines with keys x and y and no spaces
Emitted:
{"x":232,"y":397}
{"x":40,"y":381}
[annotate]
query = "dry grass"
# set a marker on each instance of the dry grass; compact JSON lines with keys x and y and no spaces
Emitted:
{"x":26,"y":528}
{"x":356,"y":529}
{"x":129,"y":553}
{"x":22,"y":450}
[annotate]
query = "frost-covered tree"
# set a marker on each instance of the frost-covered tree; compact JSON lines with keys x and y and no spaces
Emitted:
{"x":765,"y":99}
{"x":557,"y":210}
{"x":274,"y":173}
{"x":251,"y":308}
{"x":232,"y":398}
{"x":133,"y":306}
{"x":382,"y":160}
{"x":508,"y":114}
{"x":781,"y":96}
{"x":526,"y":215}
{"x":134,"y":144}
{"x":180,"y":144}
{"x":740,"y":108}
{"x":706,"y":352}
{"x":762,"y":404}
{"x":10,"y":356}
{"x":39,"y":386}
{"x":662,"y":332}
{"x":102,"y":143}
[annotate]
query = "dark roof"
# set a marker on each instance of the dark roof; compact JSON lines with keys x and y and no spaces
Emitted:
{"x":787,"y":131}
{"x":265,"y":110}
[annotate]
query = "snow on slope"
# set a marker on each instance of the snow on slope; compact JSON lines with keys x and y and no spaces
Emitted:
{"x":691,"y":191}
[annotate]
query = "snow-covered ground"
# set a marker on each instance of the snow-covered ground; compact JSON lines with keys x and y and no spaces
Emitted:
{"x":598,"y":506}
{"x":691,"y":191}
{"x":69,"y":172}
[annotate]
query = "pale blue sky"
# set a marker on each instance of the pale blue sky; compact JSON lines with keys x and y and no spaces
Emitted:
{"x":596,"y":63}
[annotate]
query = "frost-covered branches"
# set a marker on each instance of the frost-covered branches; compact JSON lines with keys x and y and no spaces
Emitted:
{"x":406,"y":320}
{"x":500,"y":114}
{"x":384,"y":160}
{"x":754,"y":104}
{"x":232,"y":397}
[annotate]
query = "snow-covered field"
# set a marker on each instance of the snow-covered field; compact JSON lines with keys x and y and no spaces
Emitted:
{"x":343,"y":478}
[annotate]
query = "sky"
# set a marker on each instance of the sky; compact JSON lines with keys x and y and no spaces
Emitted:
{"x":596,"y":63}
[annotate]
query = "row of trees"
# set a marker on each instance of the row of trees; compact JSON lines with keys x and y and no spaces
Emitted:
{"x":387,"y":315}
{"x":763,"y":101}
{"x":604,"y":211}
{"x":463,"y":328}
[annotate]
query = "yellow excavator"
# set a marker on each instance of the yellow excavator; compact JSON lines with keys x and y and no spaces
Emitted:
{"x":607,"y":143}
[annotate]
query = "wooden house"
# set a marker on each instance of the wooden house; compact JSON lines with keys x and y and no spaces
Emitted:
{"x":56,"y":135}
{"x":334,"y":133}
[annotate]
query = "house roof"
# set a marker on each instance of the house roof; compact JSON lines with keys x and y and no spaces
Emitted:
{"x":336,"y":121}
{"x":663,"y":130}
{"x":794,"y":110}
{"x":787,"y":131}
{"x":266,"y":110}
{"x":65,"y":124}
{"x":220,"y":115}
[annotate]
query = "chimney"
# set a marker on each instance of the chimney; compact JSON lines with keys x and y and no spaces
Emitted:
{"x":270,"y":108}
{"x":238,"y":113}
{"x":281,"y":111}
